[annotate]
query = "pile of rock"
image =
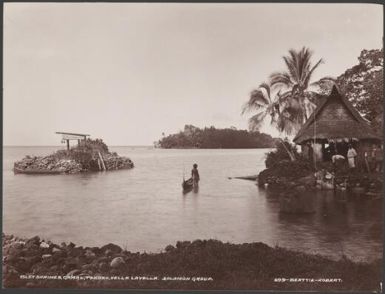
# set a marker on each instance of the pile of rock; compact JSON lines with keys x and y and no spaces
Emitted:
{"x":47,"y":164}
{"x":113,"y":161}
{"x":72,"y":161}
{"x":37,"y":257}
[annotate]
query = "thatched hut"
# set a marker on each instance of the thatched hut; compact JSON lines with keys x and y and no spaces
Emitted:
{"x":333,"y":125}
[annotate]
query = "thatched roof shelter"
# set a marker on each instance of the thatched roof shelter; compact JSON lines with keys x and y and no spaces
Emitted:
{"x":335,"y":118}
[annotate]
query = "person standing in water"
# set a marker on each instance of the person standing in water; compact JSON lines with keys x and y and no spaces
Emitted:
{"x":195,"y":175}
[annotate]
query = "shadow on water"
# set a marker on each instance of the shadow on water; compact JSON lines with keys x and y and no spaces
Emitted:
{"x":194,"y":190}
{"x":344,"y":227}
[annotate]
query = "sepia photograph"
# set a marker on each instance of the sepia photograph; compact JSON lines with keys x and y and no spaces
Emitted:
{"x":193,"y":146}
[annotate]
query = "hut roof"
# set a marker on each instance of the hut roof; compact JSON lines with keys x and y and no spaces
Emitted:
{"x":335,"y":118}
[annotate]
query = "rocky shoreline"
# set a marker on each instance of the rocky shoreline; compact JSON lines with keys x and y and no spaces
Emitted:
{"x":201,"y":264}
{"x":296,"y":183}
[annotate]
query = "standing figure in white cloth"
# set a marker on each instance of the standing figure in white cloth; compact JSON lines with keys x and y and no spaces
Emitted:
{"x":352,"y":154}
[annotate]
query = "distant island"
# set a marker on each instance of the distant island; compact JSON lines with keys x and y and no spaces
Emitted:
{"x":194,"y":137}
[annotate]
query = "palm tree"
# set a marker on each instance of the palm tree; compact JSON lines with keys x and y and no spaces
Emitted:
{"x":296,"y":82}
{"x":264,"y":105}
{"x":278,"y":108}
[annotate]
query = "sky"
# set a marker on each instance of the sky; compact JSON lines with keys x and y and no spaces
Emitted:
{"x":128,"y":72}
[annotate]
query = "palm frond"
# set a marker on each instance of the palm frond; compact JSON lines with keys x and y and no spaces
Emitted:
{"x":281,"y":79}
{"x":304,"y":56}
{"x":291,"y":67}
{"x":255,"y":122}
{"x":256,"y":101}
{"x":310,"y":72}
{"x":293,"y":111}
{"x":294,"y":56}
{"x":286,"y":125}
{"x":274,"y":120}
{"x":295,"y":89}
{"x":282,"y":98}
{"x":266,"y":86}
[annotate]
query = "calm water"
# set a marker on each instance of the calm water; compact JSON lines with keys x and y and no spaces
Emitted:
{"x":143,"y":209}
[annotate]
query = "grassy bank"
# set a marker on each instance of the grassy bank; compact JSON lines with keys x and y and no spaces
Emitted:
{"x":208,"y":264}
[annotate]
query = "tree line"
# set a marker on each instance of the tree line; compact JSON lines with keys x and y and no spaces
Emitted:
{"x":211,"y":137}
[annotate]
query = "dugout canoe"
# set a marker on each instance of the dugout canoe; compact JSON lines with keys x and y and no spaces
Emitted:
{"x":187,"y":185}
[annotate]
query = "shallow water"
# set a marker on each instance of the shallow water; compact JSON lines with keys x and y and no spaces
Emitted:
{"x":143,"y":209}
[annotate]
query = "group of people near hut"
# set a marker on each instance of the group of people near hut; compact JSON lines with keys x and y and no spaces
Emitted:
{"x":340,"y":153}
{"x":351,"y":155}
{"x":368,"y":159}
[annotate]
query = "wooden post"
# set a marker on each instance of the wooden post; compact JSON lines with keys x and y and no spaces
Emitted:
{"x":367,"y":164}
{"x":102,"y":161}
{"x":68,"y":144}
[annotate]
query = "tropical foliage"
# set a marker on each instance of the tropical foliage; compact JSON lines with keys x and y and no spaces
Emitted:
{"x":264,"y":106}
{"x":362,"y":85}
{"x":296,"y":82}
{"x":289,"y":97}
{"x":193,"y":137}
{"x":293,"y":100}
{"x":281,"y":152}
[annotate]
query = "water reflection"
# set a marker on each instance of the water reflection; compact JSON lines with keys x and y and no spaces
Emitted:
{"x":342,"y":227}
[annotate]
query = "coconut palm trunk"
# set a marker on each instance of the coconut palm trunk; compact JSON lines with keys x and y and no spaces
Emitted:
{"x":291,"y":154}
